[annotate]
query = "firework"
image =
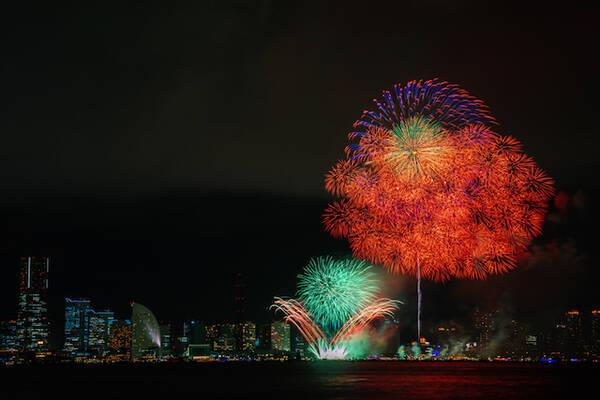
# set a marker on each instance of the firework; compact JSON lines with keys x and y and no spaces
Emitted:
{"x":324,"y":351}
{"x":429,"y":190}
{"x":334,"y":290}
{"x":380,"y":308}
{"x":438,"y":101}
{"x":322,"y":346}
{"x":462,"y":201}
{"x":337,"y":299}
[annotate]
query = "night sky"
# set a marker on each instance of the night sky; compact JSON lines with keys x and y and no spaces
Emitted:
{"x":153,"y":150}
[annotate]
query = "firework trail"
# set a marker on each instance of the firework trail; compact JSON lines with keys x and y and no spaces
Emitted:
{"x":429,"y":190}
{"x":296,"y":314}
{"x":380,"y":308}
{"x":320,"y":345}
{"x":337,"y":299}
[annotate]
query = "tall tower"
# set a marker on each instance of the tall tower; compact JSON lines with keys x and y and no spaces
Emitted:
{"x":239,"y":300}
{"x":239,"y":309}
{"x":32,"y":309}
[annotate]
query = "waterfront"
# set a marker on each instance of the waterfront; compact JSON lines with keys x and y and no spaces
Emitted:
{"x":314,"y":380}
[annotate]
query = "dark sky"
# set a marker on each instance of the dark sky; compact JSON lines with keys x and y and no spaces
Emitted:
{"x":155,"y":149}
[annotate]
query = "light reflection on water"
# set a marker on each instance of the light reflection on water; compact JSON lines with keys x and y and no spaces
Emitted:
{"x":312,"y":380}
{"x":449,"y":380}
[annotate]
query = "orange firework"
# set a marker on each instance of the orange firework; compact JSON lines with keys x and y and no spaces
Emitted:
{"x":434,"y":192}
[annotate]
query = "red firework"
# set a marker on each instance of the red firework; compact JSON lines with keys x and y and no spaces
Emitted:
{"x":440,"y":200}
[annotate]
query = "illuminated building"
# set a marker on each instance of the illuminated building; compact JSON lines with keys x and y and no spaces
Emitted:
{"x":180,"y":346}
{"x":532,"y":346}
{"x":566,"y":340}
{"x":145,"y":332}
{"x":299,"y":345}
{"x":99,"y":328}
{"x":197,"y":332}
{"x":574,"y":339}
{"x":226,"y":341}
{"x":165,"y":340}
{"x":119,"y":339}
{"x":484,"y":324}
{"x":248,"y":338}
{"x":595,"y":334}
{"x":263,"y":338}
{"x":514,"y":345}
{"x":76,"y":325}
{"x":8,"y":335}
{"x":445,"y":335}
{"x":199,"y":351}
{"x":558,"y":340}
{"x":280,"y":337}
{"x":32,"y":311}
{"x":212,"y":332}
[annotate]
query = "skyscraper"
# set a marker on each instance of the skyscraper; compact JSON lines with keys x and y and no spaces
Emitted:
{"x":248,"y":336}
{"x":32,"y":310}
{"x":574,"y":342}
{"x":99,"y":323}
{"x":77,"y":325}
{"x":485,"y":326}
{"x":280,"y":337}
{"x":595,"y":333}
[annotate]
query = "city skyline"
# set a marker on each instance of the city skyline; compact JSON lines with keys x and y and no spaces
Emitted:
{"x":494,"y":332}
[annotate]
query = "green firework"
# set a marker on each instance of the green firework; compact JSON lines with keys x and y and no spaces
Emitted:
{"x":417,"y":147}
{"x":334,"y":290}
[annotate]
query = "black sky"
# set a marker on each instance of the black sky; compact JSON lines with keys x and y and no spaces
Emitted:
{"x":154,"y":149}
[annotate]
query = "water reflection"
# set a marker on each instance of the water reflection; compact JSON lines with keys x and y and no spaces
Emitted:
{"x":443,"y":380}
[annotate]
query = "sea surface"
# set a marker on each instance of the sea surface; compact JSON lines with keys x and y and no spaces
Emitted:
{"x":303,"y":380}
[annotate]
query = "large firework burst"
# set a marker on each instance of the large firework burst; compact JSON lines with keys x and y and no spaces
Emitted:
{"x":429,"y":190}
{"x":334,"y":290}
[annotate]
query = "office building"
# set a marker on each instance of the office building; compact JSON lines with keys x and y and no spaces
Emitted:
{"x":76,"y":325}
{"x":99,"y":330}
{"x":280,"y":337}
{"x":263,"y":338}
{"x":166,"y":344}
{"x":197,"y":332}
{"x":485,"y":327}
{"x":119,"y":339}
{"x":248,"y":337}
{"x":574,"y":333}
{"x":8,"y":335}
{"x":226,"y":340}
{"x":595,"y":333}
